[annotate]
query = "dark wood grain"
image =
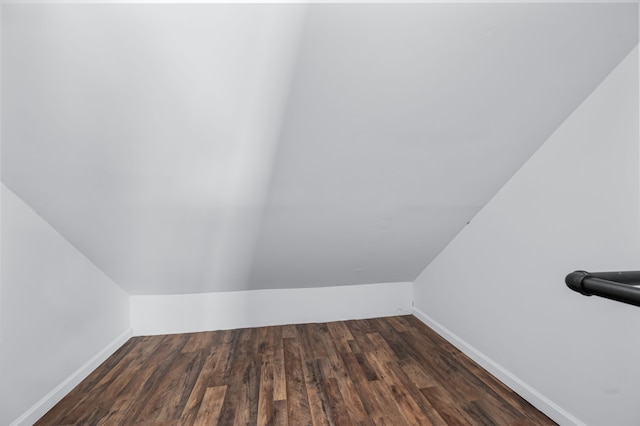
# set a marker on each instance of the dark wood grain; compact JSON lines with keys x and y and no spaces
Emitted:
{"x":297,"y":400}
{"x":381,"y":371}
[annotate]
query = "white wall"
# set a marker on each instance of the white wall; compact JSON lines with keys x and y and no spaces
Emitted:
{"x":60,"y":315}
{"x":150,"y":131}
{"x":152,"y":136}
{"x":181,"y":313}
{"x":498,"y":289}
{"x":390,"y":102}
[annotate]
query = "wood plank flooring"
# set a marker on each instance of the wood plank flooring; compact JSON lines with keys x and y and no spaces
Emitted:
{"x":385,"y":371}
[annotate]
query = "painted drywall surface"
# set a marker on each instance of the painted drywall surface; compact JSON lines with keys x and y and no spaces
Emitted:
{"x":1,"y":7}
{"x":499,"y":285}
{"x":58,"y":310}
{"x":403,"y":120}
{"x":146,"y":134}
{"x":163,"y":314}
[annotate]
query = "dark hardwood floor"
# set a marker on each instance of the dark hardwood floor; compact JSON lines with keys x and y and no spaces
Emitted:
{"x":384,"y":371}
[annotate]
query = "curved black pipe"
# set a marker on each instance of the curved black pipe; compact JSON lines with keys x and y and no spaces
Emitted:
{"x":574,"y":281}
{"x":619,"y":286}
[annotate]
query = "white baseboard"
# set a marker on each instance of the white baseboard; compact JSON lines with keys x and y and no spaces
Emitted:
{"x":183,"y":313}
{"x":41,"y":407}
{"x":538,"y":400}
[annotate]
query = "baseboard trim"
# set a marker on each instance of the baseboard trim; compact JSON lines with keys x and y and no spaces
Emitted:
{"x":185,"y":313}
{"x":45,"y":404}
{"x":537,"y":399}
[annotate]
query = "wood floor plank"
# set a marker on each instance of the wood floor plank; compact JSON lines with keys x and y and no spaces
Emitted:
{"x":397,"y":323}
{"x":170,"y":399}
{"x":298,"y":412}
{"x":251,"y":341}
{"x":401,"y":384}
{"x":338,"y":405}
{"x":360,"y":339}
{"x":480,"y":416}
{"x":446,"y":406}
{"x":419,"y":377}
{"x":289,"y":331}
{"x":304,"y":336}
{"x":386,"y":407}
{"x":238,"y":363}
{"x":265,"y":397}
{"x":248,"y":397}
{"x":200,"y":341}
{"x":279,"y":379}
{"x":350,"y":395}
{"x":223,"y":355}
{"x":319,"y":404}
{"x":382,"y":371}
{"x":117,"y":413}
{"x":406,"y":404}
{"x":368,"y":370}
{"x":341,"y":335}
{"x":265,"y":340}
{"x":319,"y":336}
{"x":192,"y":406}
{"x":361,"y":384}
{"x":231,"y":348}
{"x":280,"y":413}
{"x":384,"y":421}
{"x":169,"y":394}
{"x":211,"y":406}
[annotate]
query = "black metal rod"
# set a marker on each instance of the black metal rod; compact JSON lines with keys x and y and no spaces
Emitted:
{"x":624,"y":277}
{"x":619,"y":286}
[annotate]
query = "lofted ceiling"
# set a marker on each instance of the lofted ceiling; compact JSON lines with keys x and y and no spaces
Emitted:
{"x":220,"y":147}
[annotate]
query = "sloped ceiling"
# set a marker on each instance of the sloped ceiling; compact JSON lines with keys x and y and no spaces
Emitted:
{"x":217,"y":147}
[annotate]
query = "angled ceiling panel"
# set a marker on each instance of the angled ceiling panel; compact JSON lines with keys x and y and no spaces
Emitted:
{"x":202,"y":148}
{"x":404,"y":120}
